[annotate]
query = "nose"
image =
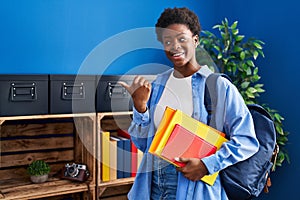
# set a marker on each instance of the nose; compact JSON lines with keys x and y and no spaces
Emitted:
{"x":176,"y":45}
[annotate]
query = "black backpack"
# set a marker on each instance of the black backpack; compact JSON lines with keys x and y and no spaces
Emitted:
{"x":245,"y":179}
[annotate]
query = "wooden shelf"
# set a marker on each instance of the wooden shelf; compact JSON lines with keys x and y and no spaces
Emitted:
{"x":72,"y":115}
{"x":103,"y":114}
{"x":16,"y":189}
{"x":58,"y":142}
{"x":118,"y":183}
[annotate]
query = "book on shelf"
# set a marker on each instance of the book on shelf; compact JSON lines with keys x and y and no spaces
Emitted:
{"x":113,"y":158}
{"x":170,"y":119}
{"x":120,"y":157}
{"x":134,"y":152}
{"x":134,"y":159}
{"x":185,"y":144}
{"x":105,"y":149}
{"x":126,"y":152}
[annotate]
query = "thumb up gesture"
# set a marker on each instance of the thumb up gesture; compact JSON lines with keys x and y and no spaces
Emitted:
{"x":139,"y":90}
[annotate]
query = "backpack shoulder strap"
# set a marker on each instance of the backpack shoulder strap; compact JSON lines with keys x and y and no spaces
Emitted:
{"x":215,"y":98}
{"x":260,"y":109}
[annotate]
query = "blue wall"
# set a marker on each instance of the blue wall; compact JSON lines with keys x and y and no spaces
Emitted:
{"x":57,"y":37}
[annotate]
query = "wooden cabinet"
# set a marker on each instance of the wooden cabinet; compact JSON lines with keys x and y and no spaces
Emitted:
{"x":57,"y":139}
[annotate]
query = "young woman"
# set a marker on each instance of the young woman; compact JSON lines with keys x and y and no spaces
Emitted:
{"x":182,"y":87}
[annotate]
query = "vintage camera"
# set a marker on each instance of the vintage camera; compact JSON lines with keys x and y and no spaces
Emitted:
{"x":75,"y":172}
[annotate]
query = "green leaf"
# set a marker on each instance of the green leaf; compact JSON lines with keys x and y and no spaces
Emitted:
{"x":219,"y":55}
{"x":255,"y":54}
{"x":255,"y":71}
{"x":225,"y":22}
{"x":242,"y":55}
{"x":257,"y":45}
{"x":239,"y":38}
{"x":252,"y":90}
{"x":225,"y":60}
{"x":250,"y":63}
{"x":250,"y":95}
{"x":245,"y":84}
{"x":278,"y":117}
{"x":259,"y":41}
{"x":248,"y":71}
{"x":235,"y":31}
{"x":279,"y":130}
{"x":217,"y":47}
{"x":259,"y":86}
{"x":255,"y":78}
{"x":234,"y":25}
{"x":237,"y":49}
{"x":260,"y":90}
{"x":216,"y":26}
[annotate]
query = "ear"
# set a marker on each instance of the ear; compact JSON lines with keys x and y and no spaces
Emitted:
{"x":196,"y":40}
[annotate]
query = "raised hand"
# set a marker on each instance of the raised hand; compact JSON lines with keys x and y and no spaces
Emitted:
{"x":139,"y":90}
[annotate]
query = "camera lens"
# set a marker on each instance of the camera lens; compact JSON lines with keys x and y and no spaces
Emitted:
{"x":72,"y":171}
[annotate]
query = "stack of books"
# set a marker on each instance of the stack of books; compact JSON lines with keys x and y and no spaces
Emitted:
{"x":180,"y":135}
{"x":120,"y":157}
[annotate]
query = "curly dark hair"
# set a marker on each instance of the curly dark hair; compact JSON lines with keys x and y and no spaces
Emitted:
{"x":177,"y":16}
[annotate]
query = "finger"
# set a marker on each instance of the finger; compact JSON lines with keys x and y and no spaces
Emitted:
{"x":141,"y":81}
{"x":125,"y":85}
{"x":147,"y":84}
{"x":137,"y":79}
{"x":180,"y":159}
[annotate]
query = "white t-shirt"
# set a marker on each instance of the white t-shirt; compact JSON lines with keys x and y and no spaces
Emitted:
{"x":177,"y":95}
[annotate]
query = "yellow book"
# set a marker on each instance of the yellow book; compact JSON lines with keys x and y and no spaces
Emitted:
{"x":105,"y":155}
{"x":204,"y":131}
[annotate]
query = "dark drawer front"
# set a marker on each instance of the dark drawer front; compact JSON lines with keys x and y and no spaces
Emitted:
{"x":72,"y":93}
{"x":23,"y":95}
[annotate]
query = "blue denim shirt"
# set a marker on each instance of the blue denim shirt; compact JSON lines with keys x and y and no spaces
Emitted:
{"x":237,"y":122}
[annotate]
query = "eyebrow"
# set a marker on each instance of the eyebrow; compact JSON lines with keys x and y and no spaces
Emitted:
{"x":182,"y":33}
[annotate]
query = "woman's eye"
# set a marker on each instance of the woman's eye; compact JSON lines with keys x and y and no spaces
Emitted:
{"x":167,"y":42}
{"x":182,"y":39}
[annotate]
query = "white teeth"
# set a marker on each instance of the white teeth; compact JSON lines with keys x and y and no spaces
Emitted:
{"x":177,"y":54}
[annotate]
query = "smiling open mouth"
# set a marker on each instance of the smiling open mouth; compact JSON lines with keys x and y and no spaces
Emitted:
{"x":177,"y":54}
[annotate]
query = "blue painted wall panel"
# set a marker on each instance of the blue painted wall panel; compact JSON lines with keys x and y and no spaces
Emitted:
{"x":56,"y":36}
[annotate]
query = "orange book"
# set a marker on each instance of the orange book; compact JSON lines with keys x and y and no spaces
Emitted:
{"x":167,"y":116}
{"x":183,"y":143}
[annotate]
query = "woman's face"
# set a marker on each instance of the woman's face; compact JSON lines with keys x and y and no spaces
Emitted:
{"x":179,"y":45}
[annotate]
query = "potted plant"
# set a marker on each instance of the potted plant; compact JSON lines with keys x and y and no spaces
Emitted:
{"x":38,"y":171}
{"x":232,"y":54}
